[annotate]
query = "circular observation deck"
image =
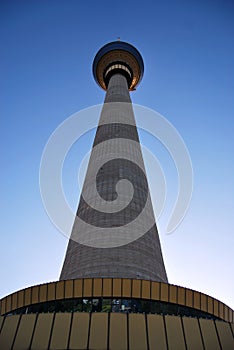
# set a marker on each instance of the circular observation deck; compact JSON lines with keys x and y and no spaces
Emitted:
{"x":118,"y":57}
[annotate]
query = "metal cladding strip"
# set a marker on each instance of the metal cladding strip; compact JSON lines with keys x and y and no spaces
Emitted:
{"x":116,"y":288}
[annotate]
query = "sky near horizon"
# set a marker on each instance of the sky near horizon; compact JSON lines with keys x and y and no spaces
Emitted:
{"x":47,"y":49}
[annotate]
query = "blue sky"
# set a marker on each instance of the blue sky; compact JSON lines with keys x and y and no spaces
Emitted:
{"x":47,"y":48}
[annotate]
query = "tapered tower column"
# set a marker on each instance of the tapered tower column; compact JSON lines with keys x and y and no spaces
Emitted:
{"x":114,"y":233}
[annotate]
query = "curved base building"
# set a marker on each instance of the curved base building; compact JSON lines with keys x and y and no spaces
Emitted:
{"x":114,"y":313}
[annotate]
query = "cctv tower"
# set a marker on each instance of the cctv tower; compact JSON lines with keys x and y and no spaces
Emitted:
{"x":113,"y":291}
{"x":111,"y":231}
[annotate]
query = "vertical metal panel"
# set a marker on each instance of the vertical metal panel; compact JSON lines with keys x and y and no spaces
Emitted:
{"x":225,"y":335}
{"x":59,"y":290}
{"x":69,"y":289}
{"x":181,"y":295}
{"x":155,"y":290}
{"x":137,"y":332}
{"x":8,"y":303}
{"x":78,"y":287}
{"x":116,"y":287}
{"x":203,"y":302}
{"x":172,"y":294}
{"x":210,"y":305}
{"x":8,"y":332}
{"x":21,"y":298}
{"x":14,"y":301}
{"x":43,"y":293}
{"x":126,"y":287}
{"x":79,"y":331}
{"x":189,"y":297}
{"x":232,"y":326}
{"x":174,"y":331}
{"x":225,"y":312}
{"x":35,"y":294}
{"x":209,"y":334}
{"x":88,"y":287}
{"x":42,"y":331}
{"x":164,"y":292}
{"x":97,"y":287}
{"x":231,"y":315}
{"x":51,"y":291}
{"x":98,"y":331}
{"x":216,"y":307}
{"x":27,"y":296}
{"x":192,"y":333}
{"x":145,"y":289}
{"x":24,"y":333}
{"x":156,"y":332}
{"x":221,"y":310}
{"x":136,"y":288}
{"x":60,"y":333}
{"x":107,"y":287}
{"x":3,"y":306}
{"x":118,"y":332}
{"x":1,"y":321}
{"x":197,"y":300}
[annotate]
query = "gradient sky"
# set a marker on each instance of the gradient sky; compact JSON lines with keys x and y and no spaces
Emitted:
{"x":47,"y":48}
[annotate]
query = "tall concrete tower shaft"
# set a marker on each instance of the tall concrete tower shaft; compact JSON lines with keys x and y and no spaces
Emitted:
{"x":114,"y":233}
